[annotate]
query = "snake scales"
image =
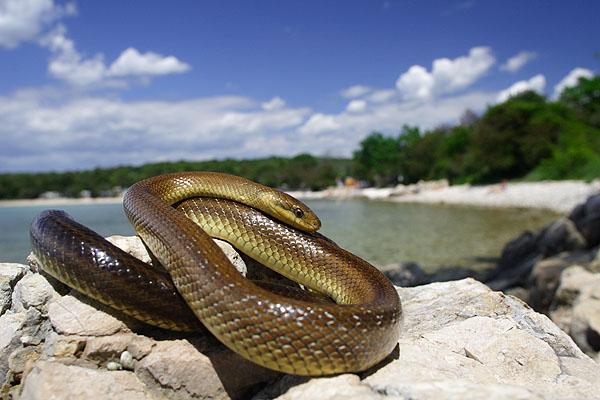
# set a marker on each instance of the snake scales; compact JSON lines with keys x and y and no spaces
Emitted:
{"x":282,"y":333}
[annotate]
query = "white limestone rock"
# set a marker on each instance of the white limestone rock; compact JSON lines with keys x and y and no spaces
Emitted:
{"x":461,"y":340}
{"x":33,"y":290}
{"x":178,"y":370}
{"x":50,"y":380}
{"x":134,"y":246}
{"x":10,"y":273}
{"x":69,"y":316}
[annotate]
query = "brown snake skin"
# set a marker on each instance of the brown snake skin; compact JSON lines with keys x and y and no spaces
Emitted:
{"x":289,"y":335}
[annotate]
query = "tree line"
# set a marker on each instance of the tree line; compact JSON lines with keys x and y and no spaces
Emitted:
{"x":526,"y":137}
{"x":300,"y":172}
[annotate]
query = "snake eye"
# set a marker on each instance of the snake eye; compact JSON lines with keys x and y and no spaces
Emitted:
{"x":298,"y":212}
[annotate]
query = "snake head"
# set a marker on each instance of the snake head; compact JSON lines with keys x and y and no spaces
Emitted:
{"x":292,"y":211}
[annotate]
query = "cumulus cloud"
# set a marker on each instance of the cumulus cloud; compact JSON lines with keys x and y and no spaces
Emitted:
{"x":69,"y":65}
{"x":536,"y":83}
{"x":355,"y":91}
{"x":132,"y":62}
{"x":48,"y":131}
{"x":518,"y":61}
{"x":276,"y":103}
{"x":45,"y":133}
{"x":356,"y":106}
{"x":24,"y":20}
{"x":381,"y":96}
{"x":341,"y":133}
{"x":36,"y":20}
{"x":446,"y":75}
{"x":571,"y":80}
{"x":319,"y":123}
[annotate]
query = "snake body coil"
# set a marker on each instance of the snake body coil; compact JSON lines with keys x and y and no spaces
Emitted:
{"x":289,"y":335}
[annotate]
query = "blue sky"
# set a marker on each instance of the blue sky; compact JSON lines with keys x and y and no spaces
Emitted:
{"x":89,"y":84}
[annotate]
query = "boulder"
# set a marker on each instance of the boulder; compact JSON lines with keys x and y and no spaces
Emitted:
{"x":410,"y":274}
{"x":406,"y":274}
{"x":516,"y":262}
{"x":53,"y":380}
{"x":459,"y":340}
{"x":462,"y":341}
{"x":445,"y":274}
{"x":576,"y":307}
{"x":526,"y":255}
{"x":587,"y":220}
{"x":10,"y":273}
{"x":545,"y":276}
{"x":31,"y":291}
{"x":561,"y":235}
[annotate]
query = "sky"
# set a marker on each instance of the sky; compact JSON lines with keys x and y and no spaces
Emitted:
{"x":90,"y":84}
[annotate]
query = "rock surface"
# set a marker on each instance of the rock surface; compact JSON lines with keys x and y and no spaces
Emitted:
{"x":463,"y":341}
{"x":459,"y":340}
{"x":576,"y":307}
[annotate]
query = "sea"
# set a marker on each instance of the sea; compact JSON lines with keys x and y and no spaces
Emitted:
{"x":382,"y":232}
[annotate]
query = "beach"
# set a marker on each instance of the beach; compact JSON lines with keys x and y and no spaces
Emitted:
{"x":556,"y":196}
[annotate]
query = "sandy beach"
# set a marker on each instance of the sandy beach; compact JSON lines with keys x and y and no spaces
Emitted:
{"x":557,"y":196}
{"x":60,"y":201}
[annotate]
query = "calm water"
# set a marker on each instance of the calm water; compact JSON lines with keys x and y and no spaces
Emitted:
{"x":381,"y":232}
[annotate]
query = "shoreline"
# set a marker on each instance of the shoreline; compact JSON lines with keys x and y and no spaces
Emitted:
{"x":60,"y":201}
{"x":557,"y":196}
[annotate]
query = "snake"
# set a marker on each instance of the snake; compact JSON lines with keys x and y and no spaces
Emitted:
{"x":177,"y":215}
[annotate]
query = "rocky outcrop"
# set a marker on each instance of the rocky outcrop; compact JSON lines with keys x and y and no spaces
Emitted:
{"x":548,"y":251}
{"x":459,"y":340}
{"x":520,"y":256}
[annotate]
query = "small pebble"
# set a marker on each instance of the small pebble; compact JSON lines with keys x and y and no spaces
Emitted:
{"x":126,"y":360}
{"x":113,"y":366}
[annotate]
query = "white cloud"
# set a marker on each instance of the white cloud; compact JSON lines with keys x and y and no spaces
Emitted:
{"x":446,"y":75}
{"x":340,"y":134}
{"x":518,"y":61}
{"x":381,"y":96}
{"x":41,"y":132}
{"x":536,"y":83}
{"x":276,"y":103}
{"x":48,"y":131}
{"x":69,"y":65}
{"x":355,"y":91}
{"x":24,"y":20}
{"x":319,"y":123}
{"x":572,"y":79}
{"x":28,"y":20}
{"x":356,"y":106}
{"x":132,"y":62}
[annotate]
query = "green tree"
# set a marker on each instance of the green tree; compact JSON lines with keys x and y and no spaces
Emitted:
{"x":377,"y":159}
{"x":584,"y":99}
{"x":512,"y":138}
